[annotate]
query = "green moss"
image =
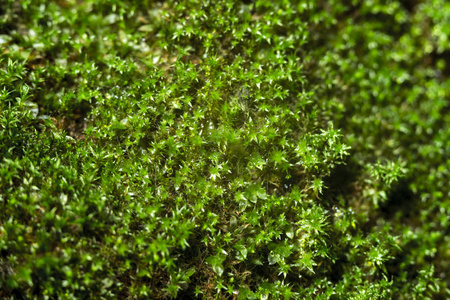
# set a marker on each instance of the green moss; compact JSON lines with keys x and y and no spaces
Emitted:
{"x":224,"y":150}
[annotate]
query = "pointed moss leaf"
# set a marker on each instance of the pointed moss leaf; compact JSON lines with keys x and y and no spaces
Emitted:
{"x":242,"y":252}
{"x":216,"y":263}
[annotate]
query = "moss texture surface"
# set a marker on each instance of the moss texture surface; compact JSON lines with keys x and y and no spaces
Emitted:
{"x":224,"y":149}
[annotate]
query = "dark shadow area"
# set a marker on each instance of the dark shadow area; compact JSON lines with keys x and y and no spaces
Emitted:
{"x":444,"y":56}
{"x":341,"y":182}
{"x":6,"y":271}
{"x":400,"y":200}
{"x":337,"y":270}
{"x":75,"y":122}
{"x":410,"y":5}
{"x":193,"y":256}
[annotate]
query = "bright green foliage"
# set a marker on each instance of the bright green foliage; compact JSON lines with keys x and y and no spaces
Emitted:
{"x":224,"y":149}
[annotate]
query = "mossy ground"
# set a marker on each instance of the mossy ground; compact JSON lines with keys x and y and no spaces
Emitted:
{"x":231,"y":150}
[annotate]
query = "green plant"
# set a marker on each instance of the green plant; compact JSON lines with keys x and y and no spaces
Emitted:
{"x":242,"y":150}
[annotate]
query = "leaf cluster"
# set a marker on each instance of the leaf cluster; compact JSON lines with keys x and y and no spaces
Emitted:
{"x":230,"y":150}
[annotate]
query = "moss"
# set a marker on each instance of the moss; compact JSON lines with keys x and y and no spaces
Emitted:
{"x":238,"y":150}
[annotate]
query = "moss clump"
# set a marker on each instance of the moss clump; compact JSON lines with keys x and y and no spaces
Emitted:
{"x":239,"y":150}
